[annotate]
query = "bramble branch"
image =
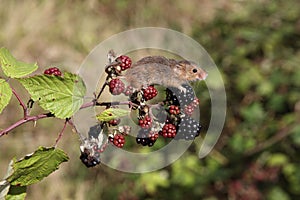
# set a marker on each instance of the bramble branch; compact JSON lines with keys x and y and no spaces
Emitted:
{"x":21,"y":102}
{"x":25,"y":120}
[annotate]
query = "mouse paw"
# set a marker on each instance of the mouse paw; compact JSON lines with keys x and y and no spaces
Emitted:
{"x":182,"y":89}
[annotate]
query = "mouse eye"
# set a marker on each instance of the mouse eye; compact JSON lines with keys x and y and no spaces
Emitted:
{"x":195,"y":70}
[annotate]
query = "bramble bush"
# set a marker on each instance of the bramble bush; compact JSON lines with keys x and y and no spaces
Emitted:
{"x":62,"y":94}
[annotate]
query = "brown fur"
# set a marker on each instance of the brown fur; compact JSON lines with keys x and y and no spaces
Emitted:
{"x":162,"y":71}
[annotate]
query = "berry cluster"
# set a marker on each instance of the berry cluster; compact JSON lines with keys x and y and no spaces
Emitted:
{"x":171,"y":118}
{"x":146,"y":137}
{"x":53,"y":71}
{"x":116,"y":86}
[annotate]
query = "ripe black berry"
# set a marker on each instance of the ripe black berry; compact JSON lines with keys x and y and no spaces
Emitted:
{"x":188,"y":128}
{"x":168,"y":131}
{"x":149,"y":93}
{"x":178,"y":97}
{"x":146,"y":138}
{"x":125,"y":62}
{"x":89,"y":159}
{"x":53,"y":71}
{"x":116,"y":86}
{"x":146,"y":122}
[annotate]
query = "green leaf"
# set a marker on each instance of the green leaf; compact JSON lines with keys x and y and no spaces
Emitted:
{"x":62,"y":96}
{"x":14,"y":68}
{"x":16,"y":193}
{"x":112,"y":113}
{"x":34,"y":167}
{"x":5,"y":94}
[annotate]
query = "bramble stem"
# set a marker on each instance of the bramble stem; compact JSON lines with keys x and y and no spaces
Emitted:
{"x":25,"y":120}
{"x":21,"y":102}
{"x":61,"y":133}
{"x":46,"y":115}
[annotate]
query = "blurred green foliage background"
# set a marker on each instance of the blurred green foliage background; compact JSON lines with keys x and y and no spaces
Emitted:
{"x":255,"y":44}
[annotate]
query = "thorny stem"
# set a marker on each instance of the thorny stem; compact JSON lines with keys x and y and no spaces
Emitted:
{"x":25,"y":120}
{"x":21,"y":102}
{"x":61,"y":132}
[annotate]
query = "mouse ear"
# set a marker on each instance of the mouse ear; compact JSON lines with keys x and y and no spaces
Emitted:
{"x":178,"y":68}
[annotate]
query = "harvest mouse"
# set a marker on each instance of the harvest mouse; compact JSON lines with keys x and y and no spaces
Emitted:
{"x":163,"y":71}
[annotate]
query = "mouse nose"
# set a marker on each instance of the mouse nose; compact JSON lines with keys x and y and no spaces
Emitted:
{"x":203,"y":75}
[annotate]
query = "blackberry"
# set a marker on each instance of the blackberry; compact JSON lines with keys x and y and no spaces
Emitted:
{"x":125,"y":62}
{"x":89,"y":159}
{"x":146,"y":122}
{"x":118,"y":140}
{"x":188,"y":128}
{"x":149,"y":93}
{"x":53,"y":71}
{"x":168,"y":131}
{"x":179,"y":98}
{"x":174,"y":110}
{"x":116,"y":86}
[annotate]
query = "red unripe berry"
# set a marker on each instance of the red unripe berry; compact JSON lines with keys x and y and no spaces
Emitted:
{"x":146,"y":122}
{"x":128,"y":91}
{"x":168,"y":131}
{"x":174,"y":110}
{"x":53,"y":71}
{"x":125,"y":62}
{"x":153,"y":136}
{"x":119,"y":140}
{"x":116,"y":86}
{"x":114,"y":122}
{"x":189,"y":109}
{"x":150,"y":92}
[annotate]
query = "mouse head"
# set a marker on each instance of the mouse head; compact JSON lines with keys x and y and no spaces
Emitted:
{"x":190,"y":71}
